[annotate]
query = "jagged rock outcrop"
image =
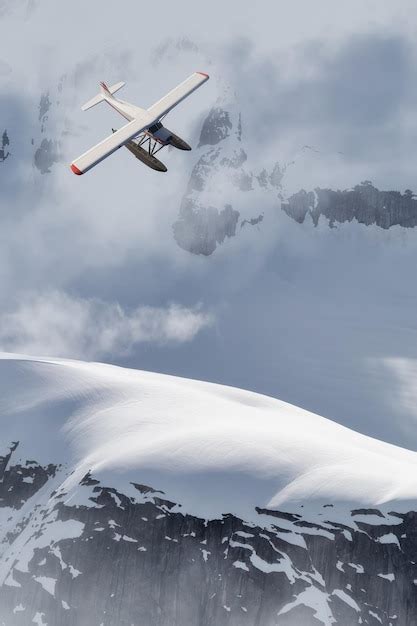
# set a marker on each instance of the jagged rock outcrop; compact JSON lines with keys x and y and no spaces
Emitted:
{"x":216,"y":127}
{"x":4,"y":151}
{"x":201,"y":231}
{"x":48,"y":151}
{"x":204,"y":221}
{"x":364,"y":203}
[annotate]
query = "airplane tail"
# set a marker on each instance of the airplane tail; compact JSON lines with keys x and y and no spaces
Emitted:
{"x":100,"y":97}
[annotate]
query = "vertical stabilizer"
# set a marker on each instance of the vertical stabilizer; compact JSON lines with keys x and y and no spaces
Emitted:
{"x":104,"y":91}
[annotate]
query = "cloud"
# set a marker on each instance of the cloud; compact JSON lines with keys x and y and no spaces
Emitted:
{"x":353,"y":95}
{"x":25,"y":7}
{"x":57,"y":324}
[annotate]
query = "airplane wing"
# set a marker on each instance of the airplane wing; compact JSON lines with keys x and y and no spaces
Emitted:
{"x":177,"y":95}
{"x":109,"y":145}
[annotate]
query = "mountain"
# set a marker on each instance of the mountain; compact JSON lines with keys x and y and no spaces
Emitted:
{"x":206,"y":219}
{"x":223,"y":169}
{"x":364,"y":203}
{"x":128,"y":497}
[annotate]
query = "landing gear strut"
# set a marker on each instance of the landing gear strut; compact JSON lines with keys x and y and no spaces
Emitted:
{"x":152,"y":144}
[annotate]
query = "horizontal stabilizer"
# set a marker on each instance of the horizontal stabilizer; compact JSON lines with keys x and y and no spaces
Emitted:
{"x":91,"y":103}
{"x":101,"y":96}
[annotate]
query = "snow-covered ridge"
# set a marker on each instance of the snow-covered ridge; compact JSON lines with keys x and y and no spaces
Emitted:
{"x":212,"y":448}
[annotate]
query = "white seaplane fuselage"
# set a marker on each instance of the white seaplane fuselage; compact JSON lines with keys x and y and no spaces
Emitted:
{"x":143,"y":123}
{"x":132,"y":112}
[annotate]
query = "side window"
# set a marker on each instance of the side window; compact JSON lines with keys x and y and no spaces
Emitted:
{"x":155,"y":127}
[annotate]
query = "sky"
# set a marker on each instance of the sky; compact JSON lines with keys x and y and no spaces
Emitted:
{"x":323,"y":318}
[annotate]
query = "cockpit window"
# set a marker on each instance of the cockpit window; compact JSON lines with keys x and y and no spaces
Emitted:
{"x":155,"y":127}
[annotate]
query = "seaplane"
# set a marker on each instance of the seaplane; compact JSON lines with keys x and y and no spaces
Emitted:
{"x":144,"y":135}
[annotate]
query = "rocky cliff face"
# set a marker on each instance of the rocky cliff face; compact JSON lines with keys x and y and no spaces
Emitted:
{"x":224,"y":193}
{"x":5,"y":142}
{"x":221,"y":176}
{"x":364,"y":203}
{"x":105,"y":557}
{"x":47,"y":153}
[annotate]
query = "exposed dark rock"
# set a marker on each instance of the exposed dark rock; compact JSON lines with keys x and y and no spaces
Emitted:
{"x":145,"y":489}
{"x":202,"y":225}
{"x":364,"y":203}
{"x":367,"y":512}
{"x":200,"y":231}
{"x":292,"y":517}
{"x":276,"y":176}
{"x":88,"y":480}
{"x":5,"y":141}
{"x":273,"y":178}
{"x":19,"y":482}
{"x":46,"y":155}
{"x":239,"y":128}
{"x":44,"y":106}
{"x":143,"y":562}
{"x":216,"y":127}
{"x":253,"y":221}
{"x":201,"y":171}
{"x":298,"y":205}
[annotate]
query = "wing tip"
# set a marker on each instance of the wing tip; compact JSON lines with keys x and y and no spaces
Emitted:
{"x":203,"y":74}
{"x":75,"y":169}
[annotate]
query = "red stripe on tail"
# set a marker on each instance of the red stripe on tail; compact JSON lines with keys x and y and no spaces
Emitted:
{"x":103,"y":84}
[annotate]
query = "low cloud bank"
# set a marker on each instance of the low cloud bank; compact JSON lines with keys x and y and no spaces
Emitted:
{"x":57,"y":324}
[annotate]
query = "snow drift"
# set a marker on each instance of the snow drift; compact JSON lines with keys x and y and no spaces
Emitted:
{"x":212,"y":448}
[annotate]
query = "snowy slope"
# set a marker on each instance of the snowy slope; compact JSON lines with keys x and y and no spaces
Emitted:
{"x":214,"y":449}
{"x":121,"y":490}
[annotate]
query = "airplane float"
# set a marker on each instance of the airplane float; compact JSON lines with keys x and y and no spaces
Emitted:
{"x":144,"y":135}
